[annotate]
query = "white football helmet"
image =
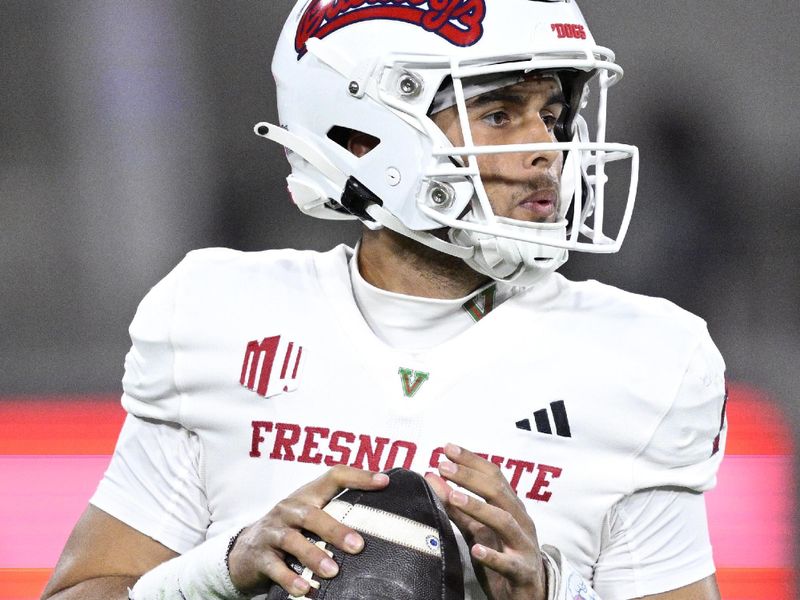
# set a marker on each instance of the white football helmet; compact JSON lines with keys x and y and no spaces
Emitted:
{"x":375,"y":66}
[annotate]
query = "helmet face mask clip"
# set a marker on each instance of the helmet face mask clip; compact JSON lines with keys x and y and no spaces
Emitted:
{"x":385,"y":76}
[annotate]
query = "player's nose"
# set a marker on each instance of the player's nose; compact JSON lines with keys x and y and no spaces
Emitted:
{"x":538,"y":133}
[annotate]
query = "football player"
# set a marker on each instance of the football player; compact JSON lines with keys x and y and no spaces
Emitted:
{"x":569,"y":428}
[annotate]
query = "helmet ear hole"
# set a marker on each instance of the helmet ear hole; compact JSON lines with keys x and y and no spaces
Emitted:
{"x":358,"y":143}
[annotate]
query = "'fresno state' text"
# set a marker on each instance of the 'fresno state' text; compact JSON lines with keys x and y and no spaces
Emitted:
{"x":320,"y":445}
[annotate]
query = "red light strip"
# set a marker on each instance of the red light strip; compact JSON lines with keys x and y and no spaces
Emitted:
{"x":64,"y":443}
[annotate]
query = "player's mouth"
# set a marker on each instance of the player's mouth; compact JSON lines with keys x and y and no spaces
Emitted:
{"x":539,"y":206}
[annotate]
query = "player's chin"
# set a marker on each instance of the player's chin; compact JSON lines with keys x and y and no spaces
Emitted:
{"x":535,"y":212}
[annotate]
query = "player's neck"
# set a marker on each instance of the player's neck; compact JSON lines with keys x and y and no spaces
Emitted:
{"x":398,"y":264}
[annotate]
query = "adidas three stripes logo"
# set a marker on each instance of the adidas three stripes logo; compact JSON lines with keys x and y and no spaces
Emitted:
{"x":542,"y":420}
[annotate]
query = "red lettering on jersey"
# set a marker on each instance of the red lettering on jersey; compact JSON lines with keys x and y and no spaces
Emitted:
{"x":311,"y":444}
{"x":519,"y":466}
{"x":436,"y":457}
{"x":373,"y":455}
{"x":344,"y":451}
{"x":460,"y":22}
{"x":542,"y":481}
{"x":371,"y":451}
{"x":569,"y":30}
{"x":286,"y":436}
{"x":255,"y":445}
{"x":409,"y":447}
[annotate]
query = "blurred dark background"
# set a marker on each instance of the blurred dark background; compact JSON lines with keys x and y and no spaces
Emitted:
{"x":126,"y":131}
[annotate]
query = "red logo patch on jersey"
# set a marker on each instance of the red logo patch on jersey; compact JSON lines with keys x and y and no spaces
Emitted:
{"x":460,"y":22}
{"x":265,"y":375}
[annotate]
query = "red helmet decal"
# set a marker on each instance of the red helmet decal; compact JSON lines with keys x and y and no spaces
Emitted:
{"x":569,"y":30}
{"x":460,"y":22}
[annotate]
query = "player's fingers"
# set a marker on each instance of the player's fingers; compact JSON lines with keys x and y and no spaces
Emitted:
{"x":310,"y":555}
{"x":296,"y":514}
{"x":439,"y":486}
{"x":254,"y":565}
{"x":335,"y":479}
{"x":521,"y":569}
{"x":502,"y":522}
{"x":274,"y":567}
{"x":468,"y":526}
{"x":467,"y":458}
{"x":483,"y":478}
{"x":491,"y":486}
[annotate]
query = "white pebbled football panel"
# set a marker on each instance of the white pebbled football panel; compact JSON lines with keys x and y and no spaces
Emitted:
{"x":386,"y":526}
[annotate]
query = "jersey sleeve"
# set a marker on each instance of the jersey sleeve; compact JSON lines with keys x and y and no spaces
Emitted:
{"x":656,"y":538}
{"x":154,"y":483}
{"x":653,"y":541}
{"x":149,"y":388}
{"x":686,"y":447}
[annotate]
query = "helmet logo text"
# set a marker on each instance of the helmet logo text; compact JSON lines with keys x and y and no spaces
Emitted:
{"x":569,"y":30}
{"x":460,"y":22}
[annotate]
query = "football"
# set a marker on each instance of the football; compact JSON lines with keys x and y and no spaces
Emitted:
{"x":410,"y":550}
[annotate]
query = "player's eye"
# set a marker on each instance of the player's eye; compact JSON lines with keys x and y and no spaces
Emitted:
{"x":497,"y":118}
{"x":549,"y":120}
{"x":551,"y":115}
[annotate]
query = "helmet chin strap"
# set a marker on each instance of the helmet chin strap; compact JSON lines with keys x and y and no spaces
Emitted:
{"x":502,"y":259}
{"x":509,"y":260}
{"x":388,"y":220}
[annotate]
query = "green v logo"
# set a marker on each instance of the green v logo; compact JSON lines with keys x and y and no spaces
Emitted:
{"x":481,"y":304}
{"x":412,"y":380}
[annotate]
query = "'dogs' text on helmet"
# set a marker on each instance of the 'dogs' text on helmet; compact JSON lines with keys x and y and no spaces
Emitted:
{"x":376,"y":66}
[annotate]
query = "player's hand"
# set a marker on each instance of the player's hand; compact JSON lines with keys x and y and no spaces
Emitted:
{"x":502,"y":537}
{"x":257,"y":558}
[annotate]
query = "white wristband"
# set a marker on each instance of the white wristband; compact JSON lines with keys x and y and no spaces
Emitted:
{"x":200,"y":574}
{"x":563,"y":580}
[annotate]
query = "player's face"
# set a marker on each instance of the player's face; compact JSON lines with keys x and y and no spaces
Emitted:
{"x":520,"y":185}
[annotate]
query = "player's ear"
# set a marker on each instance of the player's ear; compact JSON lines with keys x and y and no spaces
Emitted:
{"x":360,"y":143}
{"x":356,"y":142}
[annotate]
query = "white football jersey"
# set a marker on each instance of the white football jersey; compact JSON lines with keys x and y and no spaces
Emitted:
{"x":262,"y":373}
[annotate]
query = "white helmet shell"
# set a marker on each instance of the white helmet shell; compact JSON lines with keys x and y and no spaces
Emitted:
{"x":375,"y":66}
